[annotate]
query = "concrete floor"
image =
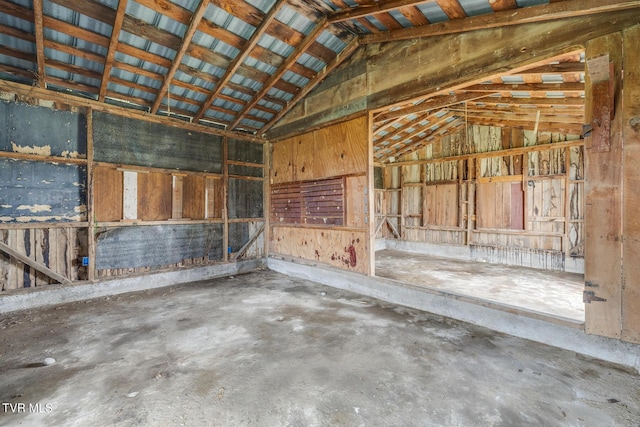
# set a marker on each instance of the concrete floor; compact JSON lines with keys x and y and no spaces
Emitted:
{"x":557,"y":294}
{"x":266,"y":349}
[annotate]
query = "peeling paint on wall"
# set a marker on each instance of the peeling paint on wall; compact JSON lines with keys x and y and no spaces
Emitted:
{"x":34,"y":208}
{"x":43,"y":151}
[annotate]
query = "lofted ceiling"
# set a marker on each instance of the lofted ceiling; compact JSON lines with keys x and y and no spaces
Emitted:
{"x":548,"y":97}
{"x":242,"y":65}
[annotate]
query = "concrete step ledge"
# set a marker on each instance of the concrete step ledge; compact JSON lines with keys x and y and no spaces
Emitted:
{"x":550,"y":332}
{"x":58,"y":294}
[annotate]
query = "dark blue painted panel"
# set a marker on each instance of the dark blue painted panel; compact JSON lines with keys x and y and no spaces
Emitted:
{"x":157,"y":245}
{"x":54,"y":132}
{"x":38,"y":191}
{"x":124,"y":140}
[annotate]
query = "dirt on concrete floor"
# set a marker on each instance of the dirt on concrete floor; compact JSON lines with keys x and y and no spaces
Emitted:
{"x":265,"y":349}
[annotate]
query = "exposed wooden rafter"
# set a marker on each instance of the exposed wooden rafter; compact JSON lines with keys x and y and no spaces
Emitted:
{"x":177,"y":60}
{"x":113,"y":47}
{"x":528,"y":15}
{"x":39,"y":29}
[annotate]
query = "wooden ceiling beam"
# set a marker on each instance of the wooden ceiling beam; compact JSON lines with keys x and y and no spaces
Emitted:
{"x":71,"y":50}
{"x":430,"y":104}
{"x":532,"y":117}
{"x":431,"y":138}
{"x":74,"y":31}
{"x":16,"y":10}
{"x":16,"y":71}
{"x":39,"y":30}
{"x":371,"y":9}
{"x":177,"y":60}
{"x":525,"y":15}
{"x":19,"y":34}
{"x":571,"y":129}
{"x":500,"y":5}
{"x":415,"y":123}
{"x":526,"y":87}
{"x":532,"y":101}
{"x":113,"y":47}
{"x":72,"y":85}
{"x":414,"y":15}
{"x":341,"y":57}
{"x":239,"y":59}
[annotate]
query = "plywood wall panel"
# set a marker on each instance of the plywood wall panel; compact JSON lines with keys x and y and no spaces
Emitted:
{"x":357,"y":204}
{"x":107,"y":193}
{"x":154,"y":196}
{"x":282,"y":169}
{"x":193,"y":197}
{"x":343,"y":249}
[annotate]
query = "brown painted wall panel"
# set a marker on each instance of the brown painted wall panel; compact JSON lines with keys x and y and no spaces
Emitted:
{"x":154,"y":196}
{"x":107,"y":188}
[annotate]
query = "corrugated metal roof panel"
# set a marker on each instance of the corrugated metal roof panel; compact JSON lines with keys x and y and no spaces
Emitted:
{"x":156,"y":19}
{"x":433,"y":12}
{"x":146,"y":45}
{"x":280,"y":94}
{"x":331,"y":41}
{"x":270,"y":105}
{"x":402,"y":20}
{"x":72,"y":17}
{"x":259,"y":65}
{"x":264,"y":5}
{"x":235,"y":94}
{"x":311,"y":62}
{"x":13,"y":22}
{"x":275,"y":45}
{"x":294,"y":20}
{"x":476,"y":7}
{"x":295,"y":79}
{"x":246,"y":82}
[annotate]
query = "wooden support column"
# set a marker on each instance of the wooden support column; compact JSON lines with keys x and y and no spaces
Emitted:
{"x":370,"y":213}
{"x":266,"y":200}
{"x":91,"y":216}
{"x":225,"y":197}
{"x":631,"y":186}
{"x":603,"y":193}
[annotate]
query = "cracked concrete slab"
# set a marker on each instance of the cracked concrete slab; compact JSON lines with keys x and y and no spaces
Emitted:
{"x":267,"y":349}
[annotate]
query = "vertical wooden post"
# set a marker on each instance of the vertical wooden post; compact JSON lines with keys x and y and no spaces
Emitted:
{"x":225,"y":198}
{"x":603,"y":165}
{"x":91,"y":217}
{"x":266,"y":202}
{"x":631,"y":185}
{"x":567,"y":201}
{"x":370,"y":214}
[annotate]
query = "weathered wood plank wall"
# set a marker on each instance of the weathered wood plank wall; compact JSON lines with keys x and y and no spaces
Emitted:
{"x":490,"y":201}
{"x":162,"y":196}
{"x":338,"y":153}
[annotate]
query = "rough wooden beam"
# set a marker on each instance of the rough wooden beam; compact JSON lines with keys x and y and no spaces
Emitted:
{"x":38,"y":22}
{"x":431,"y":104}
{"x":499,"y":5}
{"x":546,"y":12}
{"x":237,"y":62}
{"x":113,"y":47}
{"x":371,"y":9}
{"x":526,"y":87}
{"x":186,"y":41}
{"x":34,"y":264}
